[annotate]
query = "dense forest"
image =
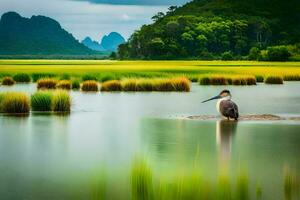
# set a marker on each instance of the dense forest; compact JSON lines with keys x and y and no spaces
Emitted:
{"x":219,"y":29}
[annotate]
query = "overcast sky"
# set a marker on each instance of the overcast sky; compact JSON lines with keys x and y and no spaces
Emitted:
{"x":93,"y":18}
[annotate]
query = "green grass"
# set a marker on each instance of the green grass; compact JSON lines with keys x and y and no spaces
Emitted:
{"x":8,"y":81}
{"x":46,"y":101}
{"x":90,"y":86}
{"x":75,"y":84}
{"x":116,"y":70}
{"x":61,"y":101}
{"x":46,"y":83}
{"x":22,"y":78}
{"x":274,"y":80}
{"x":89,"y":77}
{"x":14,"y":103}
{"x":36,"y":75}
{"x":41,"y":101}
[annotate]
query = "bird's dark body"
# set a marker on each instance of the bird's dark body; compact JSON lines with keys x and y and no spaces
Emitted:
{"x":229,"y":109}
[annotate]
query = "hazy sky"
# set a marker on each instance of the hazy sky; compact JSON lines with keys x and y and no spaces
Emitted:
{"x":93,"y":18}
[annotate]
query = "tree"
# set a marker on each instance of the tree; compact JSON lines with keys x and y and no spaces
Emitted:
{"x":158,"y":16}
{"x":254,"y":53}
{"x":278,"y":53}
{"x":227,"y":56}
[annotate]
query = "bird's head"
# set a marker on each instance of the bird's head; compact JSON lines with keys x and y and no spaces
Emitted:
{"x":225,"y":94}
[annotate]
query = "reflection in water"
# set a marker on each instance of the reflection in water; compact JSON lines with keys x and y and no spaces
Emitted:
{"x":225,"y":130}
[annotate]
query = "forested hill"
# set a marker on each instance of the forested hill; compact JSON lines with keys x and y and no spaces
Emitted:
{"x":37,"y":35}
{"x":210,"y":28}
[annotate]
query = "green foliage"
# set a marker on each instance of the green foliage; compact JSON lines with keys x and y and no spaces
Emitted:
{"x":215,"y":27}
{"x":22,"y":78}
{"x":254,"y":53}
{"x":14,"y":103}
{"x":41,"y":101}
{"x":227,"y":56}
{"x":278,"y":53}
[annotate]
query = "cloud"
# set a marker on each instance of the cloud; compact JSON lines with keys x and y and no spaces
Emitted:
{"x":83,"y":18}
{"x":138,"y":2}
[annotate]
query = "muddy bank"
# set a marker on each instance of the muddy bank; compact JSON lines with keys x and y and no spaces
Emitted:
{"x":264,"y":117}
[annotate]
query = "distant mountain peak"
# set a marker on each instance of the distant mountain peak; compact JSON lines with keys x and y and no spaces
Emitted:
{"x":38,"y":35}
{"x":88,"y":42}
{"x":112,"y":41}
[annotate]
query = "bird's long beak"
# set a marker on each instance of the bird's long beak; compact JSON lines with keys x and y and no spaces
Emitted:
{"x":216,"y":97}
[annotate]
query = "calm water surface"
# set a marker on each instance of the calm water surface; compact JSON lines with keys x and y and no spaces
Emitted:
{"x":56,"y":157}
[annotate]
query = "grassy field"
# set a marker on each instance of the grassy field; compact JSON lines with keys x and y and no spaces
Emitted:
{"x":124,"y":69}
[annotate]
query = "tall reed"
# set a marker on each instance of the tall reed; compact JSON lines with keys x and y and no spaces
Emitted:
{"x":111,"y":86}
{"x":90,"y":86}
{"x":46,"y":83}
{"x":61,"y":101}
{"x":64,"y":85}
{"x":42,"y":101}
{"x":274,"y":80}
{"x":14,"y":103}
{"x":141,"y":181}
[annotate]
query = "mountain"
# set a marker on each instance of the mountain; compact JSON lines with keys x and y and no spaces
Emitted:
{"x":88,"y":42}
{"x":37,"y":35}
{"x":112,"y":41}
{"x":211,"y":28}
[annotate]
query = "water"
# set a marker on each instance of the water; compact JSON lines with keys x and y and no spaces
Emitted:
{"x":58,"y":157}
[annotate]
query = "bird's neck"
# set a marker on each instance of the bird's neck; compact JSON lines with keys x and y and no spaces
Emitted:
{"x":225,"y":98}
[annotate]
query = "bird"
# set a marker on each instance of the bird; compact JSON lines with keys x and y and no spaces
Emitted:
{"x":225,"y":106}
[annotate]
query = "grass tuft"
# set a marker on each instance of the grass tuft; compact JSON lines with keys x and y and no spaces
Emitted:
{"x":295,"y":77}
{"x":259,"y":78}
{"x":111,"y":86}
{"x":64,"y":85}
{"x":41,"y":101}
{"x":8,"y":81}
{"x":14,"y":103}
{"x":204,"y":80}
{"x":46,"y":83}
{"x":218,"y":80}
{"x":274,"y":80}
{"x":22,"y":78}
{"x":76,"y":84}
{"x":61,"y":101}
{"x":90,"y":86}
{"x":181,"y":84}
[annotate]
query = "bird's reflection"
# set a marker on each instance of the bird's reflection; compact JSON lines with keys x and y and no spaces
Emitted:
{"x":225,"y":130}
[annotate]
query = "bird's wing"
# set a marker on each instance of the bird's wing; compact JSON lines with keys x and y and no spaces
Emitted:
{"x":229,"y":109}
